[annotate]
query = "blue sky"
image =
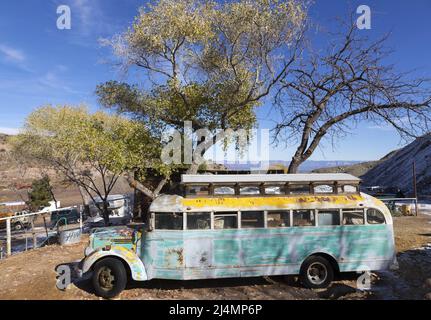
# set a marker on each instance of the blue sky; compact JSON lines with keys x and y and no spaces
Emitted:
{"x":40,"y":64}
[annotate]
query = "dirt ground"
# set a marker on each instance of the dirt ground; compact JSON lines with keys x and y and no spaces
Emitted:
{"x":31,"y":275}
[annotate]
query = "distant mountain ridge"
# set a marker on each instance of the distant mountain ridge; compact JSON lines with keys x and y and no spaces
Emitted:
{"x":307,"y":166}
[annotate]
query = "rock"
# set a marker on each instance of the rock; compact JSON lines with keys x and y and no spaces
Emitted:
{"x":428,"y":283}
{"x":428,"y":296}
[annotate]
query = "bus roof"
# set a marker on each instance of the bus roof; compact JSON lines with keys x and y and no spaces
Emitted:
{"x":175,"y":203}
{"x":262,"y":178}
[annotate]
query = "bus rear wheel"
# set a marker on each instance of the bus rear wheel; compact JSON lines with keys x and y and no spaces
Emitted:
{"x":316,"y":272}
{"x":109,"y":278}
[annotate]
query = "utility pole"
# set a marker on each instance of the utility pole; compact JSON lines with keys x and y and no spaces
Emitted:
{"x":415,"y":189}
{"x":9,"y":237}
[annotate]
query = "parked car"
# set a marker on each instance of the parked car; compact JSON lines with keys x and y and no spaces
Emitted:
{"x":65,"y":216}
{"x":119,"y":207}
{"x":21,"y":222}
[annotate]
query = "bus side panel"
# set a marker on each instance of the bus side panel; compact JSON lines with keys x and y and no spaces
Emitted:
{"x":368,"y":247}
{"x":191,"y":254}
{"x":212,"y":254}
{"x":163,"y":254}
{"x":265,"y":252}
{"x":282,"y":251}
{"x":257,"y":252}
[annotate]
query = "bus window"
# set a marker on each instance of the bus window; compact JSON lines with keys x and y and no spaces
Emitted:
{"x":251,"y":190}
{"x":328,"y":218}
{"x":168,"y":221}
{"x":197,"y":190}
{"x":278,"y":219}
{"x":324,"y":188}
{"x":226,"y":220}
{"x":355,"y":217}
{"x":224,"y":190}
{"x":299,"y":189}
{"x":350,"y":189}
{"x":274,"y":190}
{"x":198,"y":220}
{"x":303,"y":218}
{"x":375,"y":217}
{"x":252,"y":219}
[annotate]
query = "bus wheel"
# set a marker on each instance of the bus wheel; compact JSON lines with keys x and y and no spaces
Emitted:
{"x":316,"y":272}
{"x":109,"y":278}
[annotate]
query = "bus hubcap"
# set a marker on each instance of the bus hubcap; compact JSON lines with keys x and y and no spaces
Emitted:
{"x":106,"y":278}
{"x":317,"y":273}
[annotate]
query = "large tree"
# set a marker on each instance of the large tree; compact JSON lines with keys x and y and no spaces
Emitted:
{"x":331,"y":90}
{"x":91,"y":150}
{"x":207,"y":62}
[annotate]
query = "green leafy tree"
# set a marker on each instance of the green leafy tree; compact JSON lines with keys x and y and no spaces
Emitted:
{"x":92,"y":150}
{"x":206,"y":62}
{"x":40,"y":194}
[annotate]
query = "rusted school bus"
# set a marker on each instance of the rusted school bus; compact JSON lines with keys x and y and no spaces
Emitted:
{"x":224,"y":226}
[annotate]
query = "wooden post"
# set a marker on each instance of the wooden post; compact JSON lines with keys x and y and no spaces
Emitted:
{"x":34,"y":234}
{"x":415,"y":189}
{"x":46,"y":228}
{"x":80,"y":219}
{"x":9,"y":239}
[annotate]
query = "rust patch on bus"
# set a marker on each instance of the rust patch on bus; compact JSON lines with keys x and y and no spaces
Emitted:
{"x":180,"y":254}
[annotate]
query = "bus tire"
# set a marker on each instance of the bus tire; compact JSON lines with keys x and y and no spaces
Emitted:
{"x":316,"y":272}
{"x":109,"y":278}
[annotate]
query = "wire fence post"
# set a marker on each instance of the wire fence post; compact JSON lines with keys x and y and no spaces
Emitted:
{"x":33,"y":234}
{"x":8,"y":238}
{"x":415,"y":187}
{"x":80,"y":219}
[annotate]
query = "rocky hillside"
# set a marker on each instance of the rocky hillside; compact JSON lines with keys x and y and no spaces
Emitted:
{"x":15,"y":180}
{"x":397,"y":170}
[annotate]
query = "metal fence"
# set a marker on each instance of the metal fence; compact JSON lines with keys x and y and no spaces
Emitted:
{"x":27,"y":231}
{"x":402,"y":206}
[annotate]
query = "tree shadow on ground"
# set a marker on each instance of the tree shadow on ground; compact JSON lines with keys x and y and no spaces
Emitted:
{"x":335,"y":291}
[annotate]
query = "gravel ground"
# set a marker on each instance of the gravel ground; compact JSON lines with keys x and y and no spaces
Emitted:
{"x":31,"y":275}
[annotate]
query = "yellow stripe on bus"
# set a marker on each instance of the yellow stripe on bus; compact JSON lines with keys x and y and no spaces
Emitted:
{"x":245,"y":202}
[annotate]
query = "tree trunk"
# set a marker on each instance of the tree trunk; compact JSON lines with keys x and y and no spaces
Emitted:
{"x":194,"y":167}
{"x":137,"y":199}
{"x":105,"y":212}
{"x":53,"y":197}
{"x":135,"y":184}
{"x":294,"y":165}
{"x":85,"y":200}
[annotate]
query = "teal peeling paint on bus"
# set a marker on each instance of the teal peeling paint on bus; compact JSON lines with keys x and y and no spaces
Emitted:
{"x":241,"y":252}
{"x":204,"y":254}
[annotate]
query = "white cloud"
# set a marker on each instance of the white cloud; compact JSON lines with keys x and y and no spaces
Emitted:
{"x":12,"y":54}
{"x":85,"y":11}
{"x":383,"y":127}
{"x":51,"y":80}
{"x":9,"y":131}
